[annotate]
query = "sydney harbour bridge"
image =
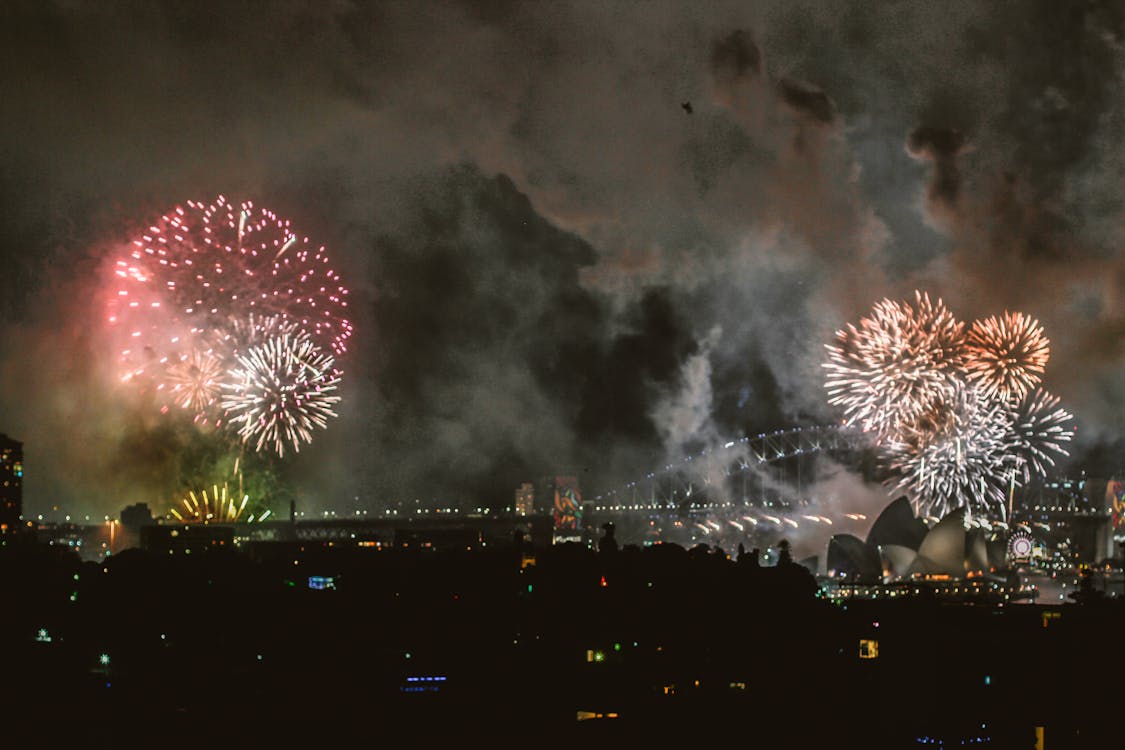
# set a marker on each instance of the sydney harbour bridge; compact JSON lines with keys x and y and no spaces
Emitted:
{"x":772,"y":469}
{"x":752,"y":491}
{"x":749,"y":489}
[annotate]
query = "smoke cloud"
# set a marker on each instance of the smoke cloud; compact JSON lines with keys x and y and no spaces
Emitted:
{"x":542,"y":243}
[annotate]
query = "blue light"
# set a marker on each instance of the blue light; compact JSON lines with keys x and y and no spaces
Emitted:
{"x":322,"y":583}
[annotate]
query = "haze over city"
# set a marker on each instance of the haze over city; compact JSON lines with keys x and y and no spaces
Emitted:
{"x":581,"y":238}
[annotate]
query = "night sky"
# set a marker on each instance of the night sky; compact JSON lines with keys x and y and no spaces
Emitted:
{"x":556,"y":266}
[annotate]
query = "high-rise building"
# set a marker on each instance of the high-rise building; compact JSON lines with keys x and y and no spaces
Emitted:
{"x":11,"y":483}
{"x":525,"y":499}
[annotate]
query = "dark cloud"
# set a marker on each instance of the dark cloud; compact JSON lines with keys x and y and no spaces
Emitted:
{"x":487,"y":336}
{"x":735,"y":57}
{"x":806,"y":100}
{"x":496,"y":363}
{"x":941,"y":146}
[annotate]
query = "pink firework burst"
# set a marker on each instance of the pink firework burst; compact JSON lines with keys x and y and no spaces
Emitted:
{"x":202,"y":271}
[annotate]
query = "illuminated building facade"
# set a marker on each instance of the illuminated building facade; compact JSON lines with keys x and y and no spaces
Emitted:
{"x":565,"y":498}
{"x":11,"y":483}
{"x":525,"y":499}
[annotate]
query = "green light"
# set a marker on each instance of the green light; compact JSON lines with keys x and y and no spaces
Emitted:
{"x":529,"y":588}
{"x":617,"y":647}
{"x":599,"y":656}
{"x":103,"y":659}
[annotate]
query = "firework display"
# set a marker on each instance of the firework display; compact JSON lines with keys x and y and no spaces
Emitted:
{"x":214,"y":303}
{"x":281,"y":390}
{"x":202,"y":264}
{"x":1040,"y":428}
{"x":885,"y":371}
{"x":955,"y":411}
{"x":194,"y":382}
{"x":222,"y":506}
{"x":1006,"y":356}
{"x":239,"y":335}
{"x":956,"y":449}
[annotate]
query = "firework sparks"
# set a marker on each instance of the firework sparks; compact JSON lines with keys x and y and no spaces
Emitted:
{"x":949,"y":409}
{"x":202,"y":265}
{"x":241,"y":334}
{"x":221,"y":506}
{"x":954,"y":453}
{"x":194,"y":382}
{"x":1007,"y":355}
{"x":281,"y":391}
{"x":886,"y":370}
{"x":1039,"y":429}
{"x":211,"y":299}
{"x":215,"y":508}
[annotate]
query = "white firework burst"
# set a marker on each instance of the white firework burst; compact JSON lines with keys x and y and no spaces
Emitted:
{"x":954,"y":453}
{"x":1039,"y":429}
{"x":886,"y":371}
{"x":281,"y":391}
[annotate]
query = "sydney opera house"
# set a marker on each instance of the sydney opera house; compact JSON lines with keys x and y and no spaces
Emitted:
{"x":902,"y":556}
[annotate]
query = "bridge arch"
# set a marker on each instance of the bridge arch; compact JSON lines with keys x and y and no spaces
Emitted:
{"x":725,"y":474}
